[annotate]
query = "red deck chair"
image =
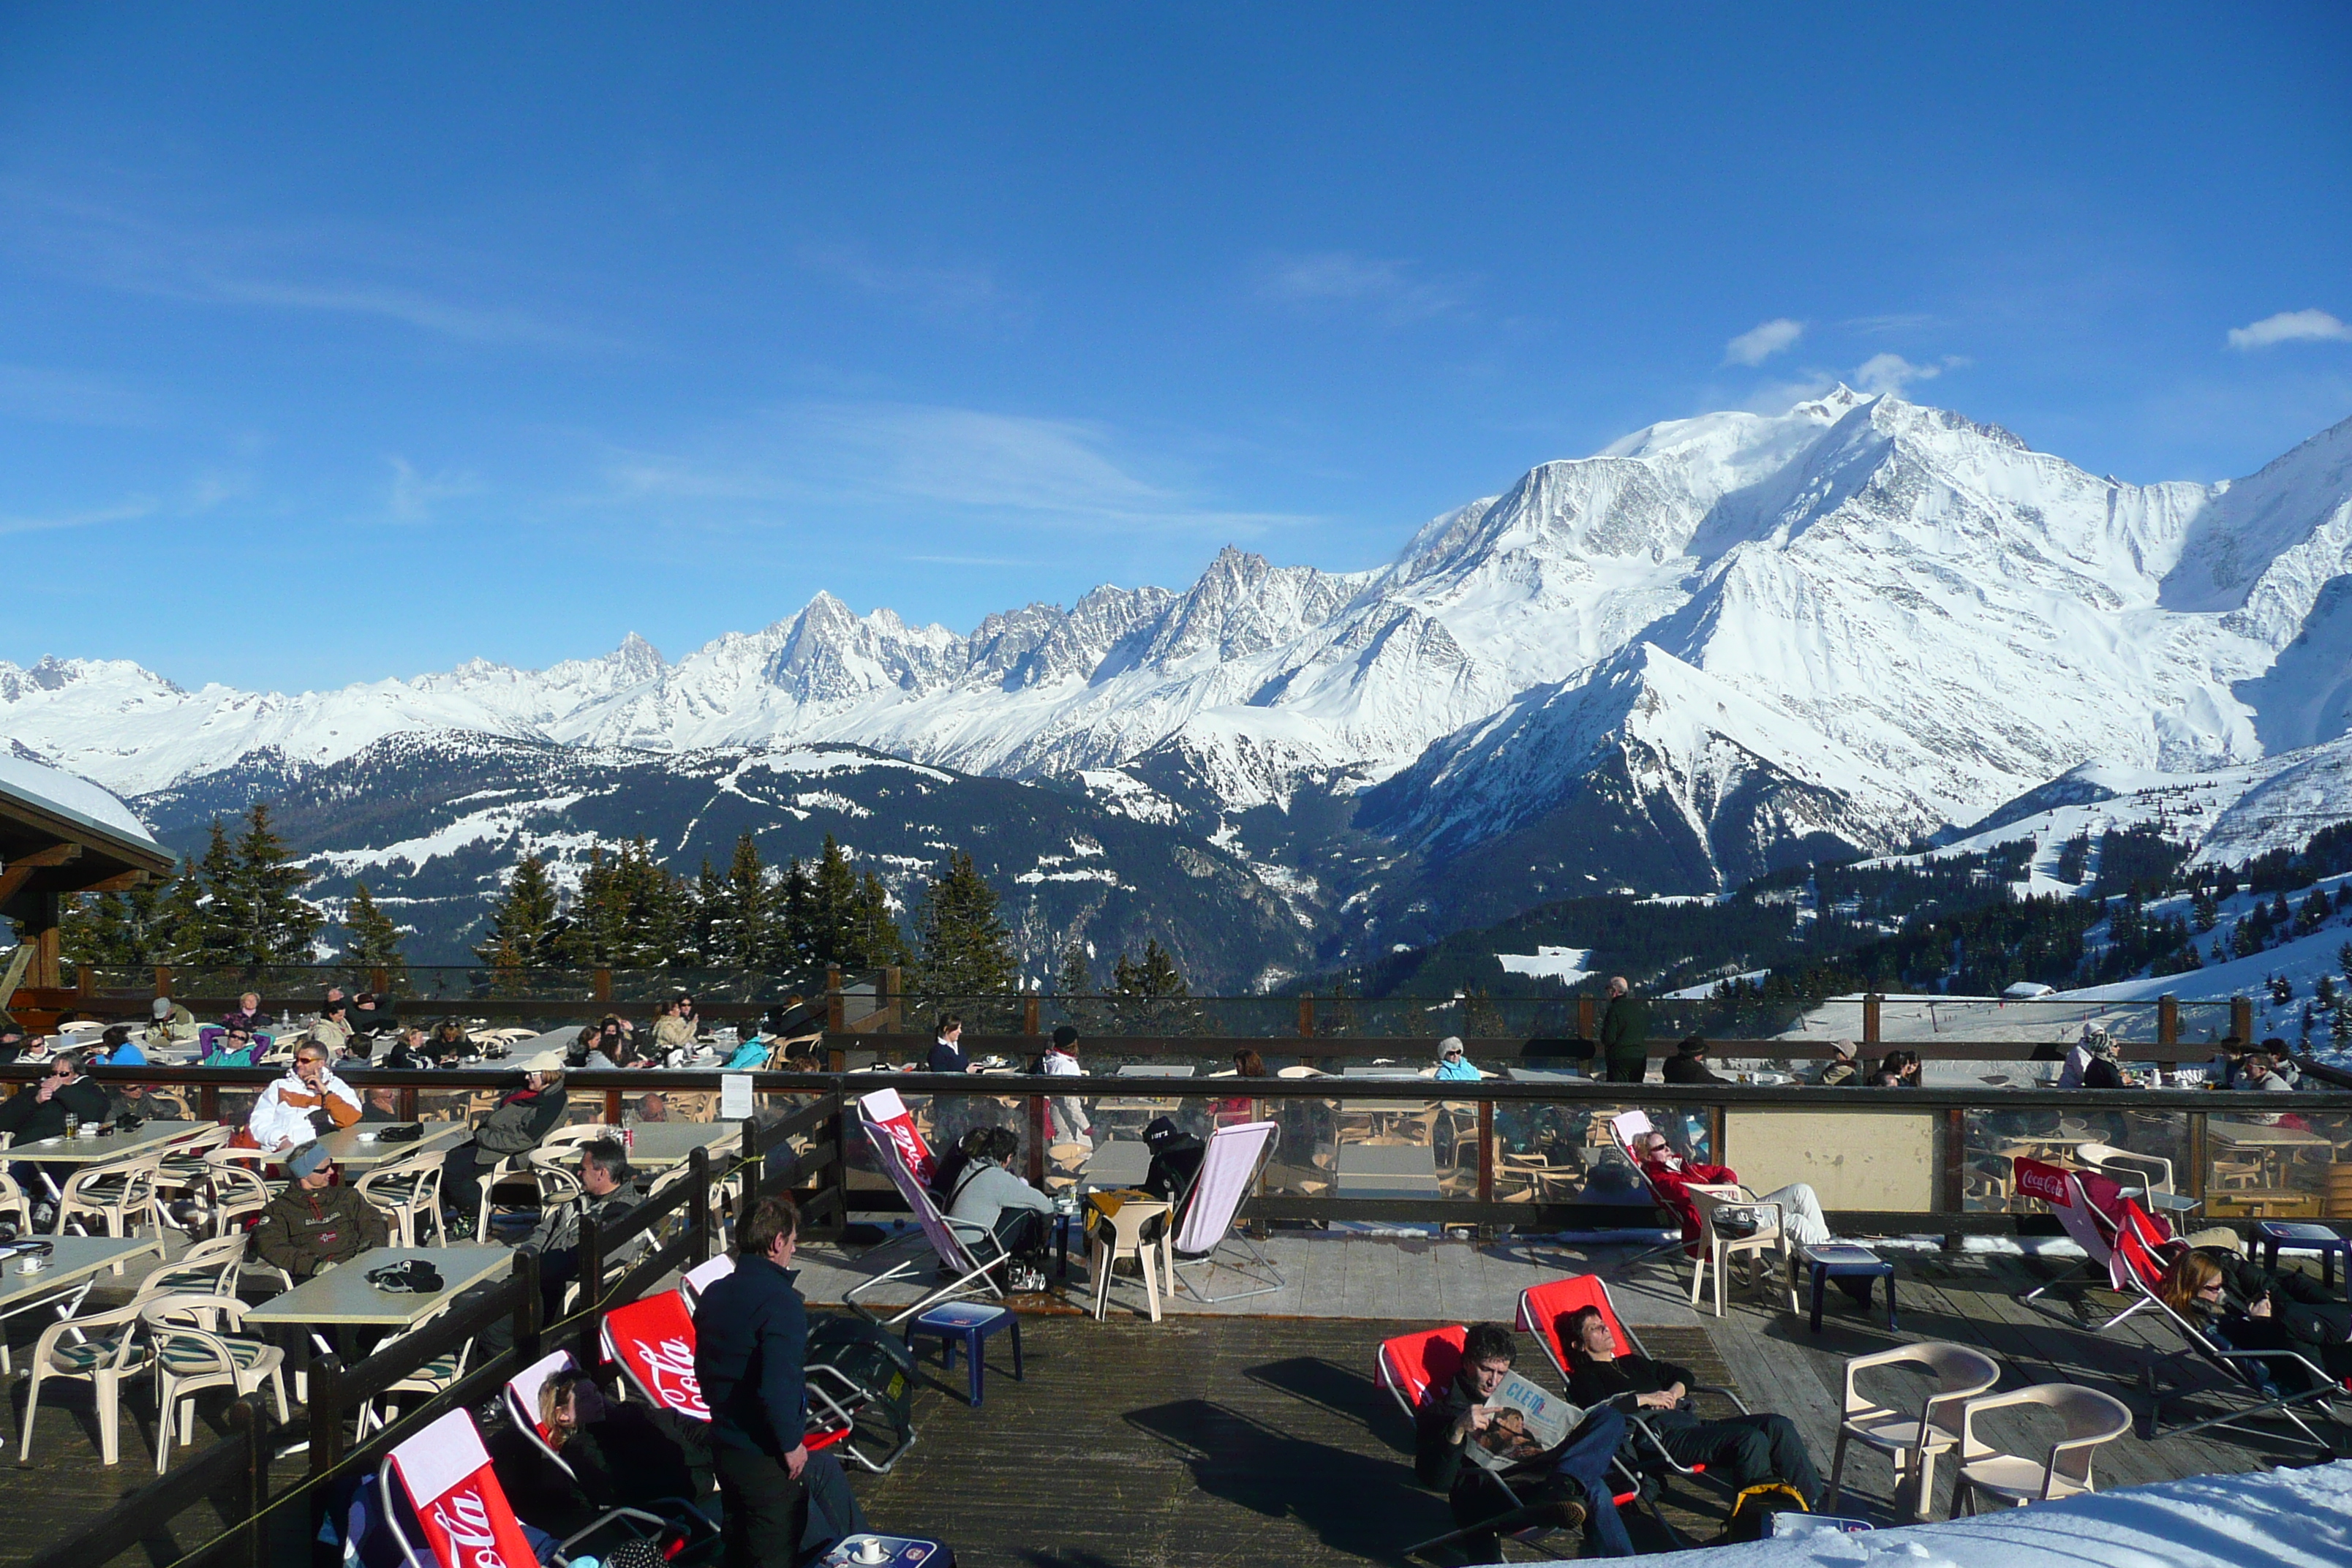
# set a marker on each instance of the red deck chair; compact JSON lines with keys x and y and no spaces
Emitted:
{"x":443,"y":1506}
{"x":1409,"y":1367}
{"x":679,"y":1519}
{"x":2092,"y":1209}
{"x":651,"y":1341}
{"x":1542,"y":1308}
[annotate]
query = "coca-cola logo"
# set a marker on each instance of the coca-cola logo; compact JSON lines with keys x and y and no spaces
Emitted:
{"x":2048,"y":1182}
{"x":668,"y":1368}
{"x":465,"y":1519}
{"x":910,"y":1147}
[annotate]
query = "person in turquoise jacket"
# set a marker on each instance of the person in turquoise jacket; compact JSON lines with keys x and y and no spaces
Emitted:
{"x":1453,"y":1066}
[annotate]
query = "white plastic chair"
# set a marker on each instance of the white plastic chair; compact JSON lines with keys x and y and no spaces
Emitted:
{"x":1911,"y":1439}
{"x":2091,"y":1418}
{"x":102,"y":1350}
{"x":1716,"y":1250}
{"x":13,"y":1201}
{"x":1138,"y":1230}
{"x":407,"y":1192}
{"x":550,"y":1185}
{"x":121,"y":1195}
{"x":191,"y":1354}
{"x":2151,"y":1171}
{"x":209,"y":1267}
{"x":435,"y":1376}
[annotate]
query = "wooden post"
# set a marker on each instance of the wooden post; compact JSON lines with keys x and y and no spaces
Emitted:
{"x":1486,"y":1151}
{"x":379,"y":981}
{"x":611,"y":1108}
{"x":162,"y":980}
{"x":601,"y":984}
{"x":1307,"y":1017}
{"x":527,"y":1307}
{"x":892,"y":997}
{"x":589,"y":1351}
{"x":699,"y":1223}
{"x":408,"y":1103}
{"x":1956,"y":1168}
{"x":1588,"y":1017}
{"x":2168,"y":1020}
{"x":253,"y":1491}
{"x":1870,"y":1027}
{"x":1029,"y":1023}
{"x":2241,"y":1018}
{"x":1715,"y":1154}
{"x":325,"y":1410}
{"x":43,"y":935}
{"x":83,"y":983}
{"x":836,"y":1010}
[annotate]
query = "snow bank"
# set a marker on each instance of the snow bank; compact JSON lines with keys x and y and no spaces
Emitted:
{"x":2276,"y":1518}
{"x":77,"y":796}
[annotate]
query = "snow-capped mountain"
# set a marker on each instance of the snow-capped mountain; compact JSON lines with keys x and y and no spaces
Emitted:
{"x":1721,"y":643}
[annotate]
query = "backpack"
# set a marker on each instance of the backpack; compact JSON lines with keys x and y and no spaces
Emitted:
{"x":1750,"y":1518}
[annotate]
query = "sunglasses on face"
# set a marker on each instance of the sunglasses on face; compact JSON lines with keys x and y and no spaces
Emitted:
{"x":2212,"y":1289}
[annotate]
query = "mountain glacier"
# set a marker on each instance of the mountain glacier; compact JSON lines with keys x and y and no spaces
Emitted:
{"x":1720,"y":642}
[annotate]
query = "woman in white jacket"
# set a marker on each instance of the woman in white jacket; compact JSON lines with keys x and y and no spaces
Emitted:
{"x":287,"y":1114}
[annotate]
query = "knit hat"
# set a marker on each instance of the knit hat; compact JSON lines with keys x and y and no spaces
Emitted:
{"x":1451,"y":1046}
{"x":308,"y":1160}
{"x":546,"y":1061}
{"x":1065,"y":1037}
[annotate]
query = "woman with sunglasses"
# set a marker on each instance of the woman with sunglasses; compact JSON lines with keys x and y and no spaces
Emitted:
{"x":2240,"y":1307}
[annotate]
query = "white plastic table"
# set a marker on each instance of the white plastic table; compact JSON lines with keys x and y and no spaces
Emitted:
{"x":1385,"y":1170}
{"x":342,"y":1295}
{"x":93,"y":1150}
{"x":357,"y":1148}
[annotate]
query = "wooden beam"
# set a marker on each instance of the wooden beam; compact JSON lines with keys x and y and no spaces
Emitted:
{"x":121,"y":882}
{"x":20,"y":869}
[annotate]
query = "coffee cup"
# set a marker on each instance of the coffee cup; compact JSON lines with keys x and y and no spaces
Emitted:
{"x":871,"y":1550}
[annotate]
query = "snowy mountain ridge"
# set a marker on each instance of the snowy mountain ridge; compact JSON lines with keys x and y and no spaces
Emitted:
{"x":1736,"y":636}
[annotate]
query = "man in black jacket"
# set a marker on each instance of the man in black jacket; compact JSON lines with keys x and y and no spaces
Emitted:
{"x":1565,"y":1487}
{"x":1688,"y":1064}
{"x":1740,"y":1449}
{"x":783,"y":1505}
{"x":39,"y":1110}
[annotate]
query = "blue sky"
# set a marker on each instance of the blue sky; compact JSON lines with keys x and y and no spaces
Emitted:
{"x":341,"y":343}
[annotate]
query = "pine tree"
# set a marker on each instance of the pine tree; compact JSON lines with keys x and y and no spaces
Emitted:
{"x":706,"y":928}
{"x":253,"y":910}
{"x":871,"y":938}
{"x":742,"y":936}
{"x":522,"y":932}
{"x":1078,"y":973}
{"x":205,"y":938}
{"x":2202,"y":910}
{"x":2340,"y":1031}
{"x":966,"y":950}
{"x":1153,"y":996}
{"x":832,"y":915}
{"x":134,"y":929}
{"x":371,"y":940}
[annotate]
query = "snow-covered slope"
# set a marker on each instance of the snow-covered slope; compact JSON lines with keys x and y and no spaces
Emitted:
{"x":1742,"y":637}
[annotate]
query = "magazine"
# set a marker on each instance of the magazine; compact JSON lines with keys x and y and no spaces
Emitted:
{"x":1528,"y":1423}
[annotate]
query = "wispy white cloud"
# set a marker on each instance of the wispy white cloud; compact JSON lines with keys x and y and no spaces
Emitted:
{"x":2290,"y":327}
{"x":414,"y":496}
{"x":1389,"y":289}
{"x":1893,"y":373}
{"x":1012,"y":469}
{"x":1761,"y":341}
{"x":315,"y":269}
{"x":946,"y":291}
{"x":73,"y":397}
{"x":125,"y":512}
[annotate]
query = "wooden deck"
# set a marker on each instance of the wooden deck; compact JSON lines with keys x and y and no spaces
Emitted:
{"x":1254,"y":1437}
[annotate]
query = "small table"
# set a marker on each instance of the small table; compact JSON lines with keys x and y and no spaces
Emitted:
{"x":1385,"y":1170}
{"x":344,"y":1296}
{"x":98,"y":1149}
{"x":659,"y":1145}
{"x":73,"y":1260}
{"x":1116,"y":1162}
{"x":970,"y":1323}
{"x":1842,"y":1260}
{"x":891,"y":1551}
{"x":2273,"y":1236}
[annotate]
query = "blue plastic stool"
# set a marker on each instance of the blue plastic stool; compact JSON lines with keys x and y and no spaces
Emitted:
{"x":1840,"y":1260}
{"x":2273,"y":1236}
{"x":971,"y":1324}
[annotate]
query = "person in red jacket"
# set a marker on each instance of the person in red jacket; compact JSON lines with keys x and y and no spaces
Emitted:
{"x":1670,"y":1174}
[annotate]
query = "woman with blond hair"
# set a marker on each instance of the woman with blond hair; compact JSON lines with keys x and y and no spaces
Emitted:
{"x":2240,"y":1307}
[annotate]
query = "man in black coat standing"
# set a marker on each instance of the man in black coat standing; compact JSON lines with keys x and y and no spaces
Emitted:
{"x":1625,"y":1034}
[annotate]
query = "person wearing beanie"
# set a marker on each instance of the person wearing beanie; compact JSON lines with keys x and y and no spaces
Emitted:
{"x":1070,"y":1122}
{"x":314,"y":1225}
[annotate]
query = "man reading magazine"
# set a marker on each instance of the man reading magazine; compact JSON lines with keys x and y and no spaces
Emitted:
{"x":1555,"y":1455}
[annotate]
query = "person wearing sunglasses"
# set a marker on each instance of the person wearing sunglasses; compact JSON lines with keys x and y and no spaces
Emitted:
{"x":2241,"y":1306}
{"x":39,"y":1110}
{"x":313,"y":1224}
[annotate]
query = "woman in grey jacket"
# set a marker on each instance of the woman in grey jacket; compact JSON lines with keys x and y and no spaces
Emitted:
{"x":522,"y":1118}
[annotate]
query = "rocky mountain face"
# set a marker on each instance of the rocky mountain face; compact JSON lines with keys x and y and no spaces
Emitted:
{"x":1723,"y":644}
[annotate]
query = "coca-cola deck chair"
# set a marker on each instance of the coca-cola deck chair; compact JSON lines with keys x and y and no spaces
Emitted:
{"x":1542,"y":1308}
{"x":2093,"y":1208}
{"x":679,"y":1520}
{"x":975,"y":1259}
{"x":443,"y":1506}
{"x":2254,"y":1378}
{"x":652,"y":1341}
{"x":702,"y":1277}
{"x":1206,"y":1238}
{"x":1409,"y":1367}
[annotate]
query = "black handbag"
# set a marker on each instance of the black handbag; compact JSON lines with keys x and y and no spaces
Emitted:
{"x":406,"y":1133}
